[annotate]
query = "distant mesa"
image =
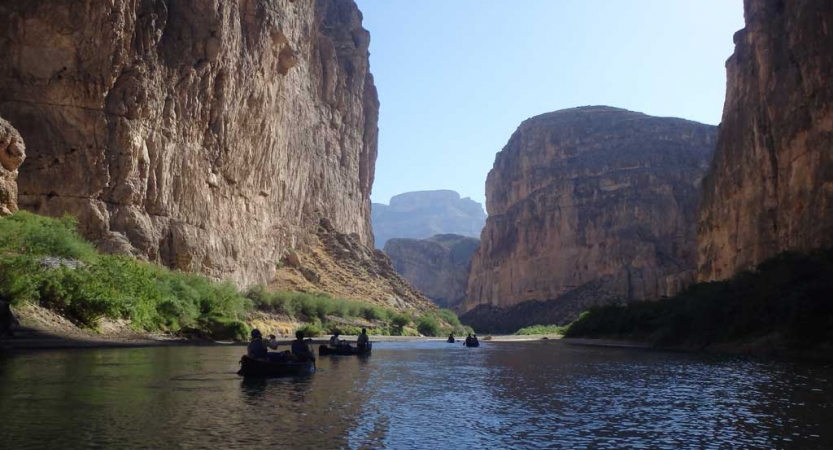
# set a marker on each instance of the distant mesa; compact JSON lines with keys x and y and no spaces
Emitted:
{"x":422,"y":214}
{"x":437,"y":266}
{"x":588,"y":205}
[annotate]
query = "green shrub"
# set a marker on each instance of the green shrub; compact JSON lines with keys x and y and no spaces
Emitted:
{"x":311,"y":330}
{"x":428,"y":326}
{"x":541,"y":329}
{"x":449,"y":317}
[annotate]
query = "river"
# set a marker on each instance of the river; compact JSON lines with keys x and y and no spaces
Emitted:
{"x":413,"y":395}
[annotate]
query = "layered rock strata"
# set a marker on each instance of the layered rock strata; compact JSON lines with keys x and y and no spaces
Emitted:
{"x":770,"y":186}
{"x":437,"y":266}
{"x":422,"y":214}
{"x":12,"y":154}
{"x":207,"y":135}
{"x":593,"y":199}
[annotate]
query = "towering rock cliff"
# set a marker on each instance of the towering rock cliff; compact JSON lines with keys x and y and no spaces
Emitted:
{"x":770,"y":186}
{"x":208,"y":135}
{"x":437,"y":266}
{"x":12,"y":154}
{"x":422,"y":214}
{"x":595,"y":201}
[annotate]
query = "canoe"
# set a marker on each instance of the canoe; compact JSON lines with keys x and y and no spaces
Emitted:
{"x":471,"y":344}
{"x":451,"y":341}
{"x":254,"y":368}
{"x":327,"y":350}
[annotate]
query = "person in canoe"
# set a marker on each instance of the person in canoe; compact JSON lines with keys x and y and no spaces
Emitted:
{"x":273,"y":342}
{"x":335,"y":342}
{"x":257,"y":348}
{"x":300,"y":349}
{"x":468,"y":341}
{"x":474,"y":340}
{"x":451,"y":338}
{"x":363,"y":340}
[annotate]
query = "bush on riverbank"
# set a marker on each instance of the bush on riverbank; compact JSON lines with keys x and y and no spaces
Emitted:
{"x":541,"y":329}
{"x":789,"y":296}
{"x":45,"y":260}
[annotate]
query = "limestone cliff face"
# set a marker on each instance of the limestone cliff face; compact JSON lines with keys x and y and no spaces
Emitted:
{"x":591,"y":197}
{"x":208,"y":135}
{"x":422,"y":214}
{"x":12,"y":154}
{"x":770,"y":186}
{"x":437,"y":266}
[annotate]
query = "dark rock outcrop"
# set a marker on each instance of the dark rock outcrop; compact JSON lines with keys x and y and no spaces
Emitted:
{"x":210,"y":136}
{"x":595,"y":199}
{"x":12,"y":154}
{"x":422,"y":214}
{"x":437,"y":266}
{"x":770,"y":186}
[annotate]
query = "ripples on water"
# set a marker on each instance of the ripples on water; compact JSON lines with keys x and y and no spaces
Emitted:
{"x":414,"y":395}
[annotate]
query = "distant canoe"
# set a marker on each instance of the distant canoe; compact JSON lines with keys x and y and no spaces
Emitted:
{"x":254,"y":368}
{"x":471,"y":344}
{"x":326,"y":350}
{"x":451,"y":340}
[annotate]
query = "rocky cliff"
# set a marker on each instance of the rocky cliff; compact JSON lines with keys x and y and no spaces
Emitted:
{"x":12,"y":154}
{"x":207,"y":135}
{"x":770,"y":186}
{"x":595,"y":199}
{"x":437,"y":266}
{"x":422,"y":214}
{"x":340,"y":265}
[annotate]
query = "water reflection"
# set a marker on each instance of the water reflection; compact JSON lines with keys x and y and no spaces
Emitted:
{"x":414,"y":395}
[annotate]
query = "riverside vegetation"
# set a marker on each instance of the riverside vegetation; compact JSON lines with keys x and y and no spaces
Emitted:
{"x":45,"y":260}
{"x":787,"y":301}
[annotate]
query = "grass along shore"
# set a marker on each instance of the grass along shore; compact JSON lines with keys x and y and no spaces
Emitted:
{"x":45,"y":262}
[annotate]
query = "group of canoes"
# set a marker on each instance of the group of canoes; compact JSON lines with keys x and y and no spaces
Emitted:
{"x":471,"y":340}
{"x":300,"y":360}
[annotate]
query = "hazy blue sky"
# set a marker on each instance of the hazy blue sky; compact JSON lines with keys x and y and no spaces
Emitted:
{"x":456,"y":77}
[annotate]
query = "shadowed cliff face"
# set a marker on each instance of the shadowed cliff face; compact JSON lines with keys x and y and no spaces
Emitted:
{"x":422,"y":214}
{"x":211,"y":136}
{"x":770,"y":186}
{"x":591,"y":197}
{"x":12,"y":154}
{"x":438,"y":266}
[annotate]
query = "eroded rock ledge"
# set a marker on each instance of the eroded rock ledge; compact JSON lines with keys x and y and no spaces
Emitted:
{"x":12,"y":154}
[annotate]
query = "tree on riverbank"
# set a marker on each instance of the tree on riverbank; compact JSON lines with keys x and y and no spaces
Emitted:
{"x":787,"y":300}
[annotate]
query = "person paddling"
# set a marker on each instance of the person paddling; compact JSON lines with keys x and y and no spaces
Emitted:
{"x":363,"y":340}
{"x":451,"y":338}
{"x":256,"y":349}
{"x":300,"y":349}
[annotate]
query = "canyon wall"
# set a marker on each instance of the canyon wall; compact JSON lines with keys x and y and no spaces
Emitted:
{"x":770,"y":186}
{"x":422,"y":214}
{"x":437,"y":266}
{"x":597,"y":200}
{"x":12,"y":154}
{"x":207,"y":135}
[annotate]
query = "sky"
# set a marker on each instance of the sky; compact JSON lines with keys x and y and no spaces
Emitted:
{"x":457,"y":77}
